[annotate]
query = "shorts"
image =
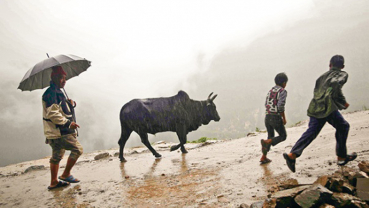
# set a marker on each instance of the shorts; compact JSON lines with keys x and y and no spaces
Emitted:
{"x":67,"y":142}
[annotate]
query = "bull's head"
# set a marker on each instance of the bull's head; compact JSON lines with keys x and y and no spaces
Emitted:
{"x":212,"y":113}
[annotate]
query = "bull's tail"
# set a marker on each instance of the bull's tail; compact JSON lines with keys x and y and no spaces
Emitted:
{"x":125,"y":133}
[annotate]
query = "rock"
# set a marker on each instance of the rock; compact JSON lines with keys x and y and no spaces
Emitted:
{"x":116,"y":154}
{"x":243,"y":205}
{"x":257,"y":204}
{"x":322,"y":180}
{"x":160,"y":142}
{"x":353,"y":178}
{"x":361,"y":174}
{"x":34,"y":167}
{"x":336,"y":184}
{"x":290,"y":192}
{"x":270,"y":203}
{"x":134,"y":152}
{"x":363,"y":188}
{"x":101,"y":156}
{"x":347,"y":188}
{"x":290,"y":183}
{"x":285,"y":198}
{"x":364,"y":166}
{"x":326,"y":206}
{"x":344,"y":200}
{"x":313,"y":196}
{"x":251,"y":134}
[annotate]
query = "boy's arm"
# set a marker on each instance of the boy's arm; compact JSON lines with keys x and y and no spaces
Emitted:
{"x":281,"y":103}
{"x":338,"y":96}
{"x":284,"y":118}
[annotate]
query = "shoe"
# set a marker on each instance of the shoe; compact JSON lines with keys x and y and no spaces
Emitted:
{"x":262,"y":162}
{"x":265,"y":147}
{"x":349,"y":157}
{"x":70,"y":179}
{"x":59,"y":185}
{"x":290,"y":162}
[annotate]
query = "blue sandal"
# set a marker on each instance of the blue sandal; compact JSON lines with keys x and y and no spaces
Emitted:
{"x":70,"y":179}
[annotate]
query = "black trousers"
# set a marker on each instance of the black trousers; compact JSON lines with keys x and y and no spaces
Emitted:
{"x":274,"y":122}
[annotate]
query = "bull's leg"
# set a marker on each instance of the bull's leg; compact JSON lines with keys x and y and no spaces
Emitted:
{"x":175,"y":147}
{"x":126,"y":132}
{"x":145,"y":141}
{"x":184,"y":141}
{"x":182,"y":136}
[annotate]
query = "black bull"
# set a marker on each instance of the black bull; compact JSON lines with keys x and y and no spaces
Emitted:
{"x":178,"y":114}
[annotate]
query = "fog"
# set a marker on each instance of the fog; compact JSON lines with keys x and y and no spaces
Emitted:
{"x":154,"y":49}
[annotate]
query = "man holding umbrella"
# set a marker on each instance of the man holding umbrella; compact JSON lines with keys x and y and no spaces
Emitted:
{"x":60,"y":128}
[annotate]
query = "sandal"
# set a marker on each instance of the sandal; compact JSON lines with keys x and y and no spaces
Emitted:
{"x":349,"y":157}
{"x":59,"y":185}
{"x":262,"y":162}
{"x":290,"y":162}
{"x":70,"y":179}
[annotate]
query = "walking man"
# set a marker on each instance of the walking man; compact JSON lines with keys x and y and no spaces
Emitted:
{"x":60,"y":129}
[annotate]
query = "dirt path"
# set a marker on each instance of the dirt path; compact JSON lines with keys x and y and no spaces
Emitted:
{"x":224,"y":174}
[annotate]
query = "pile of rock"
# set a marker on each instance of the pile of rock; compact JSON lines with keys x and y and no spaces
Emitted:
{"x":344,"y":188}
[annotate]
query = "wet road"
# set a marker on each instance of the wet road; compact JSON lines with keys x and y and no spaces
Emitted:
{"x":224,"y":174}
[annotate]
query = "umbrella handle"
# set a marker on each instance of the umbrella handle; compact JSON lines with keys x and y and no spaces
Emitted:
{"x":73,"y":105}
{"x":65,"y":93}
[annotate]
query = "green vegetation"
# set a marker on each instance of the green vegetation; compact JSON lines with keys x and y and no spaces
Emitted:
{"x":202,"y":140}
{"x":365,"y":108}
{"x":259,"y":131}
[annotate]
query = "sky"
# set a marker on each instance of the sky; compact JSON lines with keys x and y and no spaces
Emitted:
{"x":139,"y":49}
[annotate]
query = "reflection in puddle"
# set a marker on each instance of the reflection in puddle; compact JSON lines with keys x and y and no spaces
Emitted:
{"x":266,"y":169}
{"x":66,"y":196}
{"x":183,"y":182}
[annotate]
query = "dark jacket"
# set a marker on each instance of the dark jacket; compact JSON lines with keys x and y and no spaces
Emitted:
{"x":328,"y":96}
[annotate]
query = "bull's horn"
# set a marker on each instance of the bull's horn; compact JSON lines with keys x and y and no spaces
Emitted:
{"x":210,"y":96}
{"x":212,"y":99}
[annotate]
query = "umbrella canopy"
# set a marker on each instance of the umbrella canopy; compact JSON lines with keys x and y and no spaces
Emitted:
{"x":38,"y":77}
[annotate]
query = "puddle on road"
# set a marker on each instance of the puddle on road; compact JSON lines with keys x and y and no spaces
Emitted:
{"x":185,"y":186}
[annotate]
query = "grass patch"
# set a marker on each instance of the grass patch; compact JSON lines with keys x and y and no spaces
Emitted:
{"x":202,"y":140}
{"x":259,"y":130}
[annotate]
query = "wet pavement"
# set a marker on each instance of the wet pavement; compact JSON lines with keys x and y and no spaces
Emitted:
{"x":223,"y":174}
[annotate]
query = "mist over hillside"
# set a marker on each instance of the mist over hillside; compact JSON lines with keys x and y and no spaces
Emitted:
{"x":241,"y":76}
